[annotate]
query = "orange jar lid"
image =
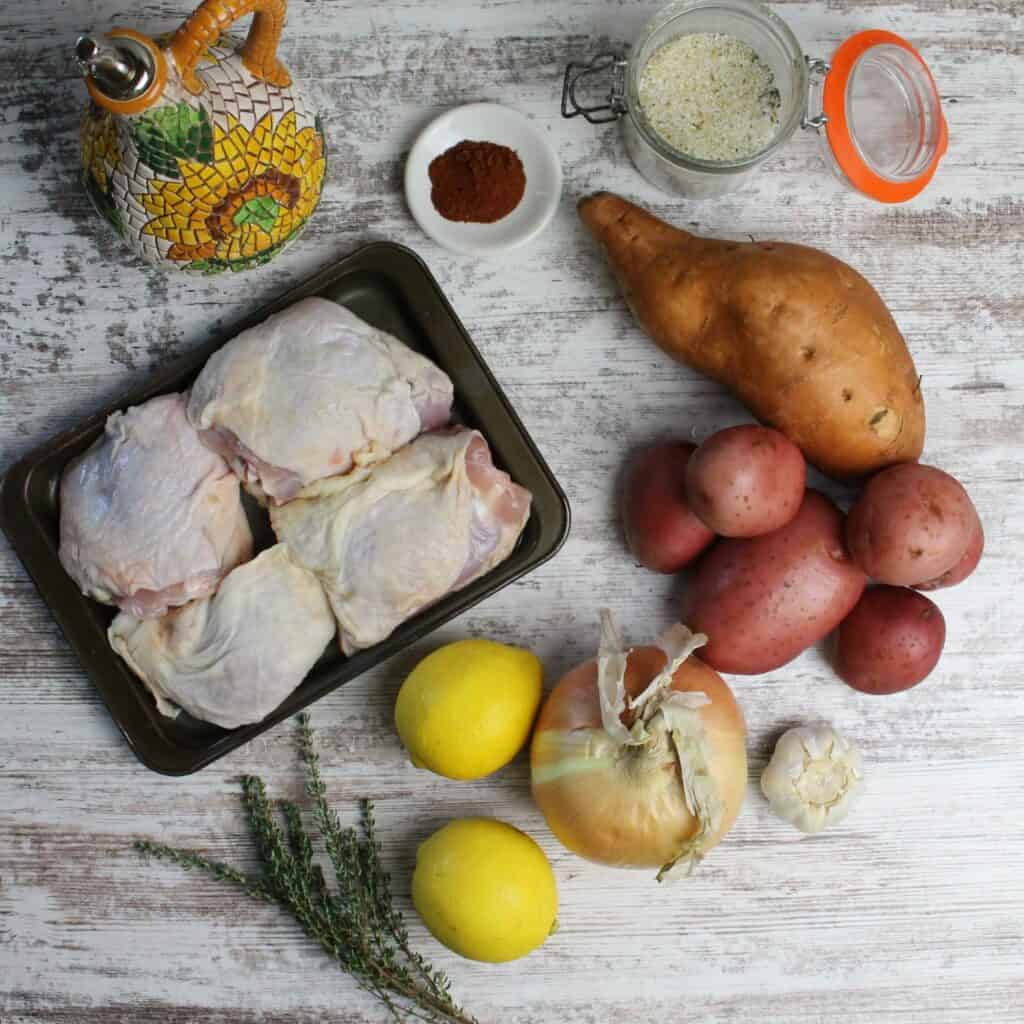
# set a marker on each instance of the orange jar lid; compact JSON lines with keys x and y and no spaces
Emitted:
{"x":884,"y":125}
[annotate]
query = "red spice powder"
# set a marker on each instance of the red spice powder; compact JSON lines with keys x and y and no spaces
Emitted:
{"x":479,"y":182}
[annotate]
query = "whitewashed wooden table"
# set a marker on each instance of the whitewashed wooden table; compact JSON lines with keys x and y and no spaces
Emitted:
{"x":911,"y":912}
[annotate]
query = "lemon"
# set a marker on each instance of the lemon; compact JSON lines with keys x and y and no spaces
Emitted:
{"x":485,"y":890}
{"x":466,"y":710}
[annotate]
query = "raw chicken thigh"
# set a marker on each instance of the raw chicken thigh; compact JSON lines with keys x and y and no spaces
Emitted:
{"x":310,"y":393}
{"x":149,"y":517}
{"x":387,"y":543}
{"x":232,"y":659}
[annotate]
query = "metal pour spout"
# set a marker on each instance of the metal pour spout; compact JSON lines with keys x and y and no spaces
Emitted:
{"x":120,"y":68}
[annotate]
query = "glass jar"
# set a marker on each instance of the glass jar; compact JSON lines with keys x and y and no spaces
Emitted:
{"x":875,"y":106}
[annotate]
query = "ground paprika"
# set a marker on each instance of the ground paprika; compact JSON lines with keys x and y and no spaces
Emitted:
{"x":480,"y":182}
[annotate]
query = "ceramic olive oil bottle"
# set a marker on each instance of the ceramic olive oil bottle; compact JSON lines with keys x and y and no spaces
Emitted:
{"x":197,"y":148}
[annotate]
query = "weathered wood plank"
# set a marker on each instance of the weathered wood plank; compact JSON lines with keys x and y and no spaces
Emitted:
{"x":911,"y":912}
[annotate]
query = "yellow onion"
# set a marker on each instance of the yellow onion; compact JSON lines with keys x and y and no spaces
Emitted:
{"x":638,"y":759}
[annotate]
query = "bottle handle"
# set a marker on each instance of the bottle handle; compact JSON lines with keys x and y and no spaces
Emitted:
{"x":203,"y":27}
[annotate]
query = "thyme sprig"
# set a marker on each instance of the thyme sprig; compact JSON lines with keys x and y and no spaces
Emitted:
{"x":354,"y":920}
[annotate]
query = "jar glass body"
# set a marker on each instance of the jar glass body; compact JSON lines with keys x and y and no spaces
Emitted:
{"x":769,"y":36}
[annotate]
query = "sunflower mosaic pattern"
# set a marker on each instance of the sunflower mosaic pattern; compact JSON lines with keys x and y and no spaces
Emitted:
{"x":101,"y":153}
{"x":254,"y":195}
{"x":222,"y":181}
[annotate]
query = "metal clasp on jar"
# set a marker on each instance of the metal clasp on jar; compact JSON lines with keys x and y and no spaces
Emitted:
{"x":817,"y":69}
{"x":600,"y":113}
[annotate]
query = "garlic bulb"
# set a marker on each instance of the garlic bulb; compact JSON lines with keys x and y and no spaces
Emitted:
{"x":813,"y":777}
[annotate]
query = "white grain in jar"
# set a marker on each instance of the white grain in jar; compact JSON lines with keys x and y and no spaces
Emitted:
{"x":710,"y":96}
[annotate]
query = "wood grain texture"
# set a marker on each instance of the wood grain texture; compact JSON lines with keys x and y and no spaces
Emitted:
{"x":911,"y":912}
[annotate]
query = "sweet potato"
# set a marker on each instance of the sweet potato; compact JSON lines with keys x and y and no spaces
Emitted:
{"x":795,"y":333}
{"x":763,"y":600}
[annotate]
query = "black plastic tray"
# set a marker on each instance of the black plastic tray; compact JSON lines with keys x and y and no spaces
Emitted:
{"x":389,"y":286}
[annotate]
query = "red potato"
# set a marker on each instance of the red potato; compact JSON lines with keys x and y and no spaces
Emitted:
{"x":661,"y":531}
{"x":966,"y":565}
{"x":746,"y":480}
{"x":763,"y":600}
{"x":911,"y":523}
{"x":890,"y":641}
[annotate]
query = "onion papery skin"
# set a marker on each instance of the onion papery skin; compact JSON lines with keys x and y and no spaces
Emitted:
{"x":620,"y":805}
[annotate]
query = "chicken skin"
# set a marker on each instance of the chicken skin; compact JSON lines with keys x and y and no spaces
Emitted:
{"x":310,"y":393}
{"x":150,"y":518}
{"x":387,"y":543}
{"x":232,"y":658}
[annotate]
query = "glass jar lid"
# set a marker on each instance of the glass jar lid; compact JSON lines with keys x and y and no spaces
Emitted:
{"x":882,"y":116}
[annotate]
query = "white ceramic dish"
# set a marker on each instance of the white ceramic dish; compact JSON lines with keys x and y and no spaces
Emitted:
{"x":485,"y":122}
